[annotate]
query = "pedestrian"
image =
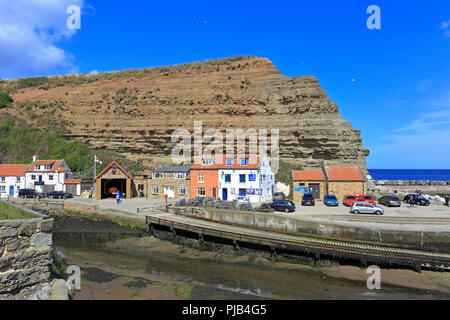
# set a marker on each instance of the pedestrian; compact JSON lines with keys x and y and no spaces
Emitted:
{"x":411,"y":201}
{"x":447,"y":200}
{"x":118,"y":197}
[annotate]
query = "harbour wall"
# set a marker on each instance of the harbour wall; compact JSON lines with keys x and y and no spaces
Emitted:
{"x":432,"y":241}
{"x":25,"y":256}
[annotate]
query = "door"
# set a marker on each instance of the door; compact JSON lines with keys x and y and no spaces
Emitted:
{"x":314,"y":188}
{"x":11,"y":191}
{"x":214,"y":192}
{"x":225,"y":194}
{"x":169,"y":191}
{"x":40,"y":178}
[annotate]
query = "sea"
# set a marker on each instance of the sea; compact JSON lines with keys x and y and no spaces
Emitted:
{"x":410,"y":174}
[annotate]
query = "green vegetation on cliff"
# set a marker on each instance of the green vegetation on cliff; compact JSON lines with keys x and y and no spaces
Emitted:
{"x":19,"y":142}
{"x":5,"y":100}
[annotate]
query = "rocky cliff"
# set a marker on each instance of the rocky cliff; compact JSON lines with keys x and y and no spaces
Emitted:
{"x":135,"y":112}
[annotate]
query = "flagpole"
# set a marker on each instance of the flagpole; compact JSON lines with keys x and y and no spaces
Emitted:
{"x":95,"y":171}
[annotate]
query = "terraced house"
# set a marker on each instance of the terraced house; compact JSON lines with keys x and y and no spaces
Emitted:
{"x":243,"y":177}
{"x":173,"y":181}
{"x":48,"y":175}
{"x":336,"y":180}
{"x":12,"y":179}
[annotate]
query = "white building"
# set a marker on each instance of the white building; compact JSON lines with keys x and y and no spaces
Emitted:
{"x":247,"y":178}
{"x":12,"y":179}
{"x":47,"y":175}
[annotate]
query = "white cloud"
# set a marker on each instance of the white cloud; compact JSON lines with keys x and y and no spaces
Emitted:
{"x":444,"y":26}
{"x":94,"y":71}
{"x":29,"y":34}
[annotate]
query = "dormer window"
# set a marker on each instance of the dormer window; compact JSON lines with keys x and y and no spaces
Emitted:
{"x":156,"y":175}
{"x":47,"y":167}
{"x":37,"y":167}
{"x":244,"y":161}
{"x":208,"y":162}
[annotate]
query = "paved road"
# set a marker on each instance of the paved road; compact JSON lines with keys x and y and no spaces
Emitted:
{"x":421,"y":219}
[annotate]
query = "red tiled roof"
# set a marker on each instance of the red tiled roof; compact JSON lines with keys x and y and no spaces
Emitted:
{"x":56,"y":164}
{"x":7,"y":170}
{"x":308,"y":175}
{"x":341,"y":173}
{"x":113,"y":164}
{"x":72,"y":181}
{"x":221,"y":163}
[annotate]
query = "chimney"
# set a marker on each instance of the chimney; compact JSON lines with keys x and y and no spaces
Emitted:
{"x":35,"y":158}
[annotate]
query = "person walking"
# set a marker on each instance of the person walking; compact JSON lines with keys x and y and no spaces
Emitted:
{"x":411,"y":201}
{"x":118,"y":197}
{"x":447,"y":200}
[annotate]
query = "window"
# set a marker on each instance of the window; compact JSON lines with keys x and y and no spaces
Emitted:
{"x":38,"y":167}
{"x":242,"y":193}
{"x":242,"y":178}
{"x":33,"y":177}
{"x":47,"y":167}
{"x":181,"y":190}
{"x":18,"y":179}
{"x":208,"y":162}
{"x":228,"y":178}
{"x":2,"y":189}
{"x":180,"y":175}
{"x":244,"y":161}
{"x":201,"y":178}
{"x":155,"y":189}
{"x":200,"y":191}
{"x":2,"y":179}
{"x":157,"y":175}
{"x":140,"y":187}
{"x":229,"y":162}
{"x":50,"y":177}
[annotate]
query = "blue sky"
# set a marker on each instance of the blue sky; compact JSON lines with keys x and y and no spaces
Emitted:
{"x":400,"y":100}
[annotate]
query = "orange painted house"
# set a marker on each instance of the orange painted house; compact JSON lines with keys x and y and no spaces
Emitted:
{"x":205,"y":178}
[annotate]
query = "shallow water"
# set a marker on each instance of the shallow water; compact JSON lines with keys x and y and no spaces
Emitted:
{"x":224,"y":280}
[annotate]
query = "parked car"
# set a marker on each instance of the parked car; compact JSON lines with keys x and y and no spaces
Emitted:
{"x":278,"y":196}
{"x":265,"y":207}
{"x":308,"y":200}
{"x":330,"y":200}
{"x":29,"y":193}
{"x":419,"y":200}
{"x":283,"y":205}
{"x":390,"y":201}
{"x":365,"y":207}
{"x":349,"y":200}
{"x":59,"y":195}
{"x":366,"y":198}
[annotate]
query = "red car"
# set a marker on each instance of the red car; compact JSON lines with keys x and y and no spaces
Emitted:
{"x":367,"y":198}
{"x":349,"y":200}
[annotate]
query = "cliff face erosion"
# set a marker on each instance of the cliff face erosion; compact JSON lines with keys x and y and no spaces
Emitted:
{"x":134,"y":112}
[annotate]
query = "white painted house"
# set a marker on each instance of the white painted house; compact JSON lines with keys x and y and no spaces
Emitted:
{"x":247,"y":177}
{"x":47,"y":175}
{"x":12,"y":179}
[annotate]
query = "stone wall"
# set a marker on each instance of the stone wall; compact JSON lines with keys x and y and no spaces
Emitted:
{"x":25,"y":255}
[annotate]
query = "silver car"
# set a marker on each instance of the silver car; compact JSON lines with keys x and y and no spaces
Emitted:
{"x":365,"y":207}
